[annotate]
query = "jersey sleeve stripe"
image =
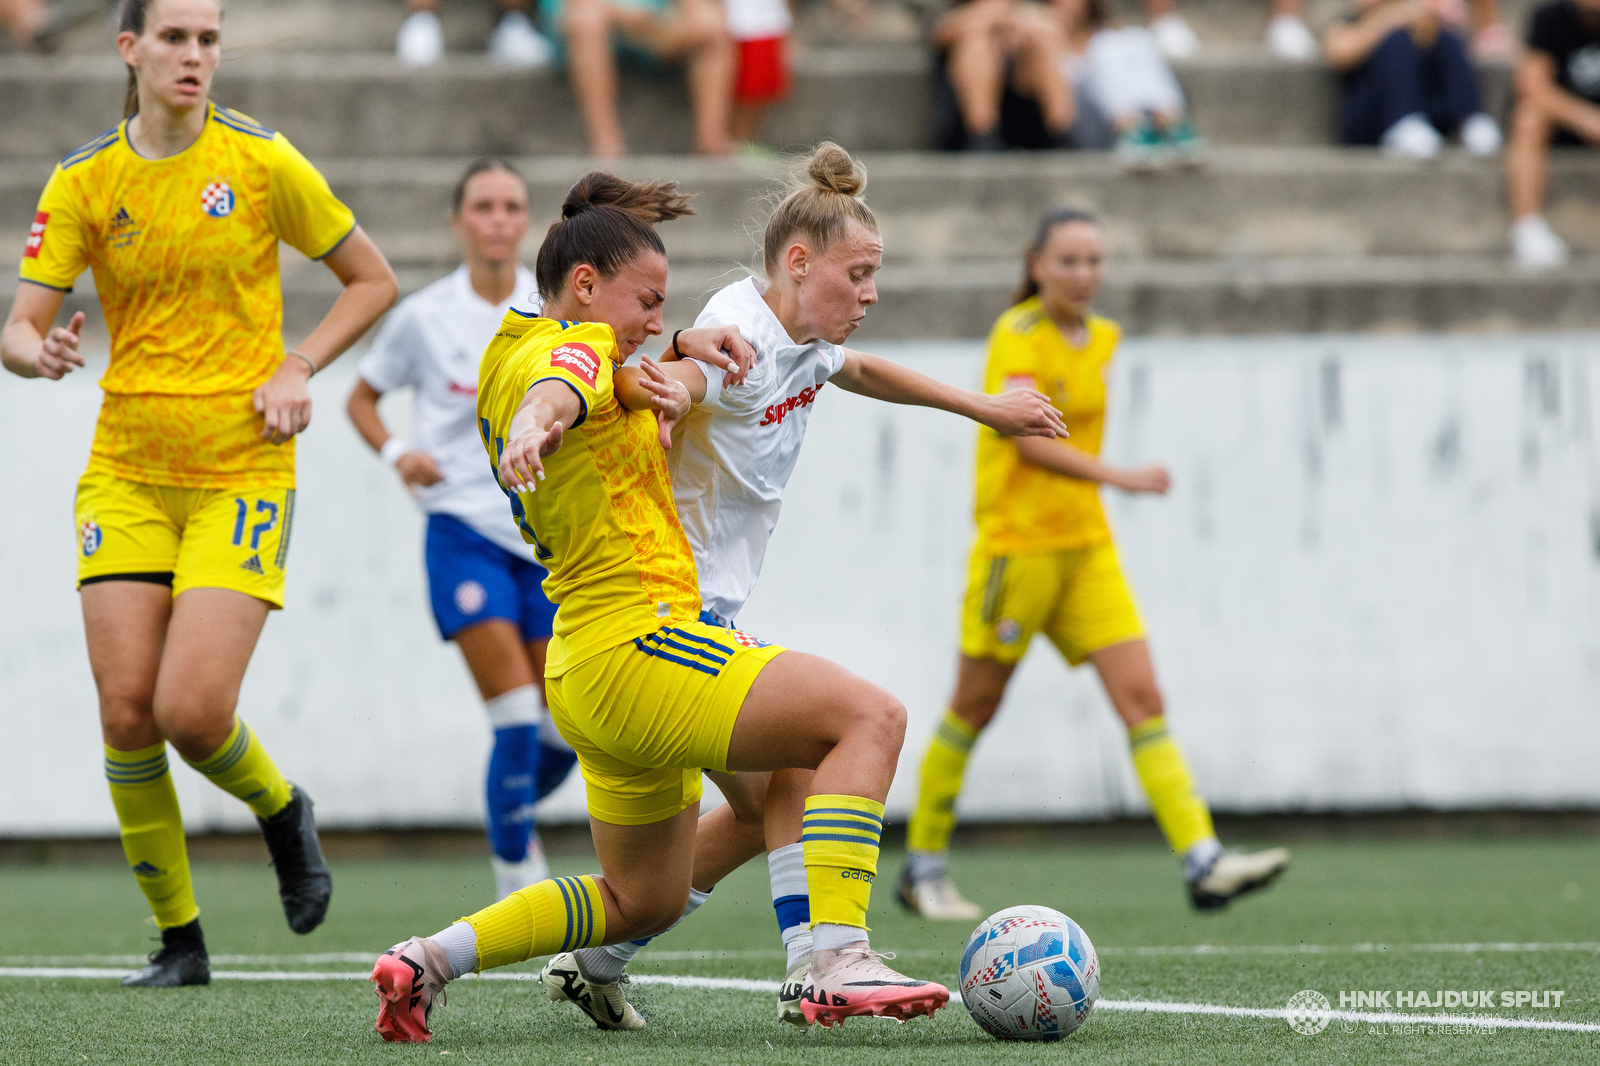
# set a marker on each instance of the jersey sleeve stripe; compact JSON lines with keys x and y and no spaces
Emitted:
{"x":335,"y":246}
{"x":94,"y":147}
{"x":239,"y":127}
{"x":244,"y":120}
{"x":582,"y":403}
{"x":45,"y":285}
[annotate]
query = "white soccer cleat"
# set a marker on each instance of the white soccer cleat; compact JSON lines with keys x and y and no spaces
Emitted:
{"x":421,"y":40}
{"x":794,"y":983}
{"x":515,"y":43}
{"x":1174,"y":37}
{"x":1234,"y":873}
{"x":1413,"y":137}
{"x":1535,"y":246}
{"x":854,"y":982}
{"x":1289,"y":38}
{"x":605,"y":1004}
{"x":937,"y":899}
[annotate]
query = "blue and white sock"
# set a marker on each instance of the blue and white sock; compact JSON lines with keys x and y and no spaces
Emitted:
{"x":791,"y":900}
{"x":556,"y":759}
{"x":513,"y":769}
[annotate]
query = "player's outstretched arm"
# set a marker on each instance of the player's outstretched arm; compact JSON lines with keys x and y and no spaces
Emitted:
{"x":1062,"y":458}
{"x":29,"y":346}
{"x":536,"y":430}
{"x":721,"y":346}
{"x":1015,"y":412}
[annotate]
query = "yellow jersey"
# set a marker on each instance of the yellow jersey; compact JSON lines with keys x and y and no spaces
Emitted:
{"x":1023,"y":508}
{"x":184,"y":252}
{"x":602,"y":521}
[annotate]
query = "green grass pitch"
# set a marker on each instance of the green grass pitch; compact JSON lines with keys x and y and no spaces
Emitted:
{"x":1427,"y":901}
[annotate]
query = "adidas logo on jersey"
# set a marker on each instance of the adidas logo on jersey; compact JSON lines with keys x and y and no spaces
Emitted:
{"x":252,"y":564}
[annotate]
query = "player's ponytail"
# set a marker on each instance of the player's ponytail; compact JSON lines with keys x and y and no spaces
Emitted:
{"x":1058,"y":217}
{"x":818,"y":204}
{"x":132,"y":21}
{"x":605,"y":222}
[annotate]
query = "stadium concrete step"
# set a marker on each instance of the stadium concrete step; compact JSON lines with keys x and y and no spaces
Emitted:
{"x":867,"y":98}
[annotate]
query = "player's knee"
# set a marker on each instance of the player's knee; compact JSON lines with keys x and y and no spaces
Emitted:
{"x":880,"y":721}
{"x":127,"y":722}
{"x":653,"y":913}
{"x":194,"y":723}
{"x":1141,"y":702}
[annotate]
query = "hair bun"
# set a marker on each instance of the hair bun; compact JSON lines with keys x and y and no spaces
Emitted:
{"x":574,"y":208}
{"x":832,"y":170}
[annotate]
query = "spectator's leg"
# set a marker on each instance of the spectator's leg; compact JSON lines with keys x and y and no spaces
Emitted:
{"x":976,"y":66}
{"x":1383,"y":90}
{"x":1452,"y":85}
{"x":1036,"y":73}
{"x":1527,"y":158}
{"x":695,"y":33}
{"x":592,"y":66}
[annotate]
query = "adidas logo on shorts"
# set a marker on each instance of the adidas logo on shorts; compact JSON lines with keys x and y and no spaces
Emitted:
{"x":252,"y":564}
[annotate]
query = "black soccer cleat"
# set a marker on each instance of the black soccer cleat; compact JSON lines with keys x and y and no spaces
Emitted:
{"x":181,"y":960}
{"x":305,"y":884}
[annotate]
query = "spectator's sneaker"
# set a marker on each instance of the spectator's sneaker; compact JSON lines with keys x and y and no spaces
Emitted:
{"x":1413,"y":137}
{"x":1289,"y":38}
{"x":1233,"y":873}
{"x":1534,"y":245}
{"x":421,"y":40}
{"x":854,"y":981}
{"x":794,"y":983}
{"x":304,"y":883}
{"x":605,"y":1004}
{"x":936,"y":899}
{"x":409,"y":976}
{"x":1140,"y":148}
{"x":1184,"y":143}
{"x":515,"y":43}
{"x":1480,"y":135}
{"x":1174,"y":37}
{"x":181,"y":960}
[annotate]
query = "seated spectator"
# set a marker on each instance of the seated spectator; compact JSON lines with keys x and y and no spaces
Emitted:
{"x":594,"y":33}
{"x":1558,"y":102}
{"x":32,"y":25}
{"x":1001,"y":84}
{"x":1407,"y":82}
{"x":513,"y":42}
{"x":1287,"y":35}
{"x":760,"y":32}
{"x":1125,"y":91}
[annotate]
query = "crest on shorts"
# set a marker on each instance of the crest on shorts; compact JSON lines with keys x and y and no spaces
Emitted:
{"x":216,"y":199}
{"x":748,"y":641}
{"x":470,"y":597}
{"x":1008,"y":630}
{"x":89,"y":537}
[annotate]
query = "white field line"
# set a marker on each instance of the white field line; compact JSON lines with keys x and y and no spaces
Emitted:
{"x":1188,"y":950}
{"x":737,"y":984}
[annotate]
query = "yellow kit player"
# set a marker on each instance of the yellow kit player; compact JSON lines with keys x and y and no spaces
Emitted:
{"x":1044,"y":562}
{"x":646,"y":693}
{"x":184,"y":514}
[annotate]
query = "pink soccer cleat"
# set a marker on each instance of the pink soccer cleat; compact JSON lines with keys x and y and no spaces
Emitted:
{"x":854,"y":981}
{"x":409,"y":976}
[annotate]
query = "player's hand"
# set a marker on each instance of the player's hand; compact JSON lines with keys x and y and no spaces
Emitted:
{"x":670,"y":397}
{"x":722,"y":346}
{"x":1152,"y":478}
{"x":1024,"y":413}
{"x":522,"y":463}
{"x":58,"y":355}
{"x":418,"y":468}
{"x":285,"y":400}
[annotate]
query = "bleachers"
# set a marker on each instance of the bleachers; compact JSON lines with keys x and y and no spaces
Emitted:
{"x":1279,"y":230}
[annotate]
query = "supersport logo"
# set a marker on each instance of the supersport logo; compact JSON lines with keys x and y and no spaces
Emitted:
{"x":580,"y":359}
{"x":777,"y":412}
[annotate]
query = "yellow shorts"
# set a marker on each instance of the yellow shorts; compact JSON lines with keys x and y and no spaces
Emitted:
{"x":1078,"y":598}
{"x":647,"y":716}
{"x":186,"y":538}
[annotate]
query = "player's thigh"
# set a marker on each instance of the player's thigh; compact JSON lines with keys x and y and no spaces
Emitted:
{"x":238,"y":540}
{"x":496,"y":657}
{"x":1097,"y":609}
{"x":125,"y":624}
{"x":1009,"y":598}
{"x":799,"y":709}
{"x":1129,"y":677}
{"x":647,"y":871}
{"x":210,"y":638}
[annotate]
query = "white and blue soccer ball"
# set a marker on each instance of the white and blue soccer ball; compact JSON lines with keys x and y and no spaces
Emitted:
{"x":1029,"y":973}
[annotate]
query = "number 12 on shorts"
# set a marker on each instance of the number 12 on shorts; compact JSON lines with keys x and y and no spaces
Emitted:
{"x":259,"y":529}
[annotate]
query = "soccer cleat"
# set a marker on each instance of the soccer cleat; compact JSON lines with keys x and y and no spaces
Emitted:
{"x":605,"y":1004}
{"x":794,"y":983}
{"x":1234,"y":873}
{"x":409,"y":976}
{"x":854,"y":982}
{"x":304,"y":882}
{"x":936,"y":899}
{"x":181,"y":960}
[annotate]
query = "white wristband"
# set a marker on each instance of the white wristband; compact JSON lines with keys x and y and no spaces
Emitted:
{"x":393,"y":449}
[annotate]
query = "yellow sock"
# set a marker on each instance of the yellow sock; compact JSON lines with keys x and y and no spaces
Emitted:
{"x":561,"y":914}
{"x":242,"y":768}
{"x":839,"y":837}
{"x":1182,"y":815}
{"x":152,"y":831}
{"x":935,"y":816}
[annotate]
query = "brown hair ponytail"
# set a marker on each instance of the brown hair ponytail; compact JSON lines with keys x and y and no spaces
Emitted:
{"x":1059,"y":217}
{"x":819,"y":205}
{"x":132,"y":21}
{"x":605,"y":222}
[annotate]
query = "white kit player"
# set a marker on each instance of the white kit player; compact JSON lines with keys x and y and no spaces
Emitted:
{"x":732,"y":455}
{"x":483,"y":581}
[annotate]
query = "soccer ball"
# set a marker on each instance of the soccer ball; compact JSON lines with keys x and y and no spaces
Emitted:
{"x":1029,"y":973}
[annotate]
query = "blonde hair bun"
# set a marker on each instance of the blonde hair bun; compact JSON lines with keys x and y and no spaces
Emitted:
{"x":818,"y":206}
{"x":831,"y":169}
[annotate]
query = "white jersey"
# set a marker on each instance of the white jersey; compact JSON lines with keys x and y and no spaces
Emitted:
{"x":434,"y":341}
{"x":733,"y":454}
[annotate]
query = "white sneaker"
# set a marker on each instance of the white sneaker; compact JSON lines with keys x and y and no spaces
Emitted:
{"x":1289,"y":38}
{"x":421,"y":40}
{"x":605,"y":1004}
{"x":1480,"y":135}
{"x":1174,"y":37}
{"x":1534,"y":245}
{"x":936,"y":899}
{"x":1234,"y":873}
{"x":794,"y":983}
{"x":1413,"y":137}
{"x":515,"y":43}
